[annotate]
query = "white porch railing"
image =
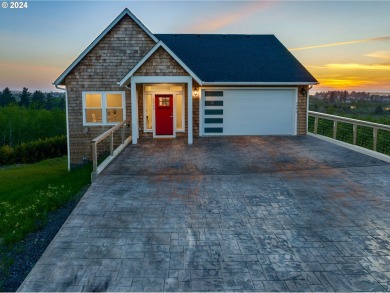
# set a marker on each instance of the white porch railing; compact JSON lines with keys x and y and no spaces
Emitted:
{"x":113,"y":152}
{"x":355,"y":124}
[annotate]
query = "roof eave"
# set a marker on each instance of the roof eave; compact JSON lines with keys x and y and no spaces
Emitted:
{"x":126,"y":11}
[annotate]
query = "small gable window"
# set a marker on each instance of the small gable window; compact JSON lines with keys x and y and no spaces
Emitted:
{"x":103,"y":108}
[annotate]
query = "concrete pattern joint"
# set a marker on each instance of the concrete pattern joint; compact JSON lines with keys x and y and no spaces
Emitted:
{"x":227,"y":214}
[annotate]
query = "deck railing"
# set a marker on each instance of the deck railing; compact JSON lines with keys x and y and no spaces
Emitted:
{"x":356,"y":127}
{"x":108,"y":145}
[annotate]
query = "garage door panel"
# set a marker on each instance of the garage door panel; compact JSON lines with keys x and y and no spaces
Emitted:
{"x":259,"y":112}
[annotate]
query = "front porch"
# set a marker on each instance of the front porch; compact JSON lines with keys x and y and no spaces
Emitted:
{"x":162,"y":107}
{"x":175,"y":96}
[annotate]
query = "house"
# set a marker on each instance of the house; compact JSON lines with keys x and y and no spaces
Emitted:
{"x":175,"y":85}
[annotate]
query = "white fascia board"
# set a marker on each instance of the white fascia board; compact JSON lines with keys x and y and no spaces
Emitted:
{"x":260,"y":83}
{"x":149,"y":54}
{"x":161,"y":79}
{"x":101,"y":36}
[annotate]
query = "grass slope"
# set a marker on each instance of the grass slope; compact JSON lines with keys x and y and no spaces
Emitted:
{"x":29,"y":192}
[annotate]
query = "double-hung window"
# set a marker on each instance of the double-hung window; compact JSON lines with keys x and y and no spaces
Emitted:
{"x":103,"y":108}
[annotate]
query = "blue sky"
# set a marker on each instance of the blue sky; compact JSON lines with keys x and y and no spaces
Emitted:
{"x":38,"y":43}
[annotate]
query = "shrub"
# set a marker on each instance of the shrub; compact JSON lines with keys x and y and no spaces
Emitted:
{"x":6,"y":155}
{"x":34,"y":151}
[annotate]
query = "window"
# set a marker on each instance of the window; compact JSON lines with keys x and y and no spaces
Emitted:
{"x":149,"y":112}
{"x":163,"y":102}
{"x":179,"y":112}
{"x":100,"y":108}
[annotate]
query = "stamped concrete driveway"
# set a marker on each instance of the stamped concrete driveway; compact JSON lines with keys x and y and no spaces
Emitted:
{"x":231,"y":214}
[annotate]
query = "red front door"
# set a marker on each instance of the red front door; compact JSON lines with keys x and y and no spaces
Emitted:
{"x":164,"y":114}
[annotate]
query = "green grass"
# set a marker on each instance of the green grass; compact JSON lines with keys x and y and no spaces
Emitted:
{"x":29,"y":192}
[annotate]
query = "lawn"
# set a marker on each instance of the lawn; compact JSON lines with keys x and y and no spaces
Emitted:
{"x":29,"y":192}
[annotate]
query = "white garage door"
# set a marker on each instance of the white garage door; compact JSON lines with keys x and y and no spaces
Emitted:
{"x":249,"y":112}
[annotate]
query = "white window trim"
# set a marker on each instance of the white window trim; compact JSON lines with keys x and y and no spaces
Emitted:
{"x":104,"y":107}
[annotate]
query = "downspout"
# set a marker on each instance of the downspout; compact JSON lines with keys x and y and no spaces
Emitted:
{"x":307,"y":108}
{"x":67,"y":122}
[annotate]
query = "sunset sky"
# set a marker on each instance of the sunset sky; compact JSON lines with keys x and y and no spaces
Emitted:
{"x":344,"y":44}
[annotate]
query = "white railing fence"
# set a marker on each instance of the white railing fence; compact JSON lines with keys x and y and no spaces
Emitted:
{"x":108,"y":145}
{"x":367,"y":134}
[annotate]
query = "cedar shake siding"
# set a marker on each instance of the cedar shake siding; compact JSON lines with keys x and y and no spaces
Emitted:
{"x":161,"y":64}
{"x":302,"y":112}
{"x":100,"y":70}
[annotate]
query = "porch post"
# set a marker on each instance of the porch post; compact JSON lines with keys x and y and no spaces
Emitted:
{"x":134,"y":113}
{"x":190,"y":138}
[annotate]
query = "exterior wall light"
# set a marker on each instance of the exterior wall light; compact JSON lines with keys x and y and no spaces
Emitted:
{"x":303,"y":91}
{"x":195,"y":91}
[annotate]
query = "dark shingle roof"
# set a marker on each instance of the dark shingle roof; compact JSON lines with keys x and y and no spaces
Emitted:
{"x":237,"y":58}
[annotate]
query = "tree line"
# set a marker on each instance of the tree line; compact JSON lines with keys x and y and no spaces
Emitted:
{"x":36,"y":100}
{"x":27,"y":117}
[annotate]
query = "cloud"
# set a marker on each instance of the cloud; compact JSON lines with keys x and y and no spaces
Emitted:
{"x":376,"y":67}
{"x":222,"y":20}
{"x":343,"y":83}
{"x":380,"y":54}
{"x":342,"y":43}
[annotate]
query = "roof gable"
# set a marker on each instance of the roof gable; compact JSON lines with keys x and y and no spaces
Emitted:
{"x":160,"y":44}
{"x":125,"y":12}
{"x":244,"y":59}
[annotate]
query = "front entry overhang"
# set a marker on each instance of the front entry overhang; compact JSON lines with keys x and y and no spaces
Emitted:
{"x":134,"y":80}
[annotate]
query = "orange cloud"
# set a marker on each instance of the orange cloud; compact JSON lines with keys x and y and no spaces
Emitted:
{"x":344,"y":83}
{"x":352,"y":76}
{"x":222,"y":20}
{"x":342,"y":43}
{"x":379,"y":67}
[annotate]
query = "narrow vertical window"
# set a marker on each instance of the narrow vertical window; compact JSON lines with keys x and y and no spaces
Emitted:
{"x":93,"y":108}
{"x":114,"y":108}
{"x":179,"y":112}
{"x":149,"y":112}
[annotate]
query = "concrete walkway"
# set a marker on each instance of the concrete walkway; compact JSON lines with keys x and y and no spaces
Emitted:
{"x":227,"y":214}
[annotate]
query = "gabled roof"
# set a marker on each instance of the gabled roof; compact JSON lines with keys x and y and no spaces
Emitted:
{"x":219,"y":59}
{"x":101,"y":36}
{"x":240,"y":59}
{"x":149,"y":54}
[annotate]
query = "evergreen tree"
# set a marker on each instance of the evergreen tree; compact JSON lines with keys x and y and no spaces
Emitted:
{"x":25,"y":98}
{"x":50,"y":102}
{"x":379,"y":110}
{"x":62,"y":104}
{"x":38,"y":100}
{"x":7,"y":98}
